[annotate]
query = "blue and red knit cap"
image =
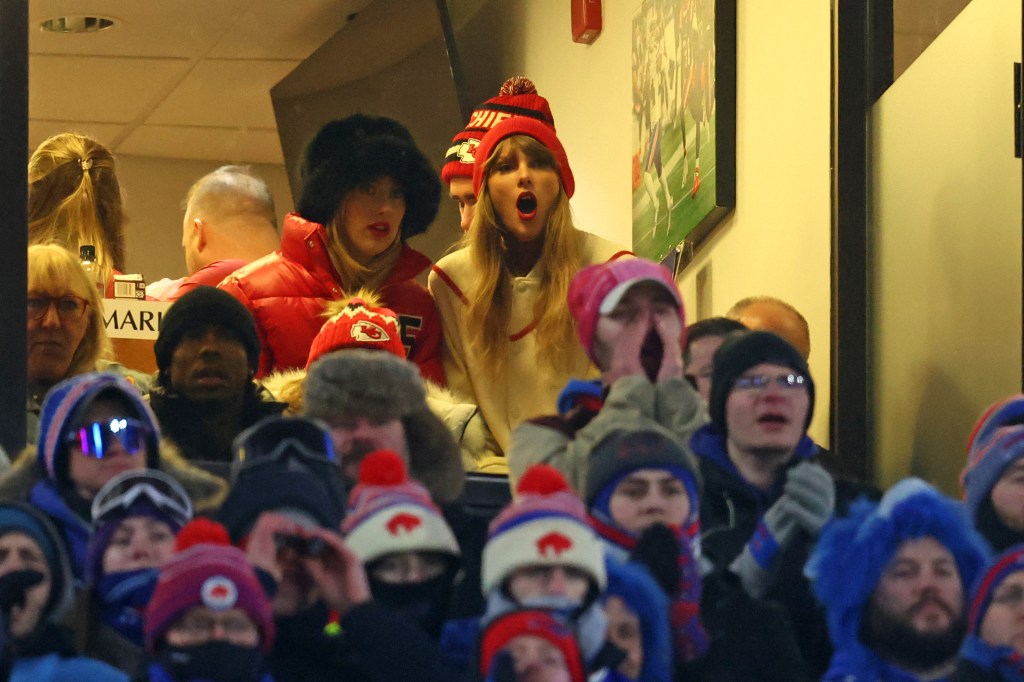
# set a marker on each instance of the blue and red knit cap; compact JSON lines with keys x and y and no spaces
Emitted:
{"x":529,"y":623}
{"x":65,"y":407}
{"x":540,"y":128}
{"x":206,"y":571}
{"x":987,"y":463}
{"x":1008,"y":411}
{"x":517,"y":97}
{"x":388,"y":513}
{"x":623,"y":452}
{"x":546,"y":524}
{"x":853,"y":551}
{"x":744,"y":350}
{"x":1006,"y":564}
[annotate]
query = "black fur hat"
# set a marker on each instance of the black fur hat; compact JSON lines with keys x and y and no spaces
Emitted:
{"x":362,"y":148}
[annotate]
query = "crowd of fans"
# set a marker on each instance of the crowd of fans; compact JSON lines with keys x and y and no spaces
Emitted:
{"x":290,"y":496}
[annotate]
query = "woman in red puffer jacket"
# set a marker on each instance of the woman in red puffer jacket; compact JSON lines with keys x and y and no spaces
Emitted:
{"x":367,"y":188}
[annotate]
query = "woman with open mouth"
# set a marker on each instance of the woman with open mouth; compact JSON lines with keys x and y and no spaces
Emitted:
{"x":367,"y":188}
{"x":510,"y":343}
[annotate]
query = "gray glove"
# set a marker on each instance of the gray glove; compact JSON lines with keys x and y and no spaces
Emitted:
{"x":807,"y":502}
{"x":813,"y":493}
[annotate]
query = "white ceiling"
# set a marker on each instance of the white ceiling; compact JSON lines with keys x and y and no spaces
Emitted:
{"x":186,"y":79}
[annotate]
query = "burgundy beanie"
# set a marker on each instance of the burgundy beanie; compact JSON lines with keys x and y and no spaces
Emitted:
{"x":518,"y":97}
{"x":217,"y":576}
{"x":537,"y":128}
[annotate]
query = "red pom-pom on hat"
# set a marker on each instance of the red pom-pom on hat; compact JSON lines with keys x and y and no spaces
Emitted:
{"x":517,"y":85}
{"x":382,"y":467}
{"x":542,"y":479}
{"x":201,"y":531}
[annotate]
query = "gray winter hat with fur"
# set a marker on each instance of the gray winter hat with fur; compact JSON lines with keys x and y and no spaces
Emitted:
{"x":363,"y":383}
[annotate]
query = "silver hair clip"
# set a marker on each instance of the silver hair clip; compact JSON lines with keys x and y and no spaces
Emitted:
{"x":86,"y":164}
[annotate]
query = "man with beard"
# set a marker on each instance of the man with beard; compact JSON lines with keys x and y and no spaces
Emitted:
{"x":891,"y":577}
{"x":630,"y":320}
{"x":206,"y":354}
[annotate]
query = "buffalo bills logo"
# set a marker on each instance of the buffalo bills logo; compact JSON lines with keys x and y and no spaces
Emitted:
{"x":403,"y":521}
{"x":367,"y":331}
{"x":553,"y":544}
{"x":219,"y":593}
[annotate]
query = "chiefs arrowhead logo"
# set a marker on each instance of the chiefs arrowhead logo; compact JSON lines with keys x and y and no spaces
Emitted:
{"x":365,"y":330}
{"x":553,"y":544}
{"x":467,"y":151}
{"x":403,"y":521}
{"x":219,"y":593}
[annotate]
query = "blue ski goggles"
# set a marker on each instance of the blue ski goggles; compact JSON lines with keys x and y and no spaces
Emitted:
{"x":95,"y":439}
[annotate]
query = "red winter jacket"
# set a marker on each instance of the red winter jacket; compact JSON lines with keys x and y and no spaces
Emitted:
{"x":286,"y":291}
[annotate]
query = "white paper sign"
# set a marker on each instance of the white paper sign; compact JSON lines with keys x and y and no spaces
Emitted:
{"x":128,"y":319}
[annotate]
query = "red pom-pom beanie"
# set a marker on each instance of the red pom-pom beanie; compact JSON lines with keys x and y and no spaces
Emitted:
{"x":206,"y":571}
{"x":546,"y":524}
{"x":388,"y":513}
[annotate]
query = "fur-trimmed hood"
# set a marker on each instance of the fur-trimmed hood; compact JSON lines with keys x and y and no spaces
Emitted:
{"x":206,"y":490}
{"x":436,"y":459}
{"x":852,"y":552}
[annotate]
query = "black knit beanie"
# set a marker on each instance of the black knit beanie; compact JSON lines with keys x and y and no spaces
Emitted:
{"x":361,"y":148}
{"x":743,"y":351}
{"x":200,"y":307}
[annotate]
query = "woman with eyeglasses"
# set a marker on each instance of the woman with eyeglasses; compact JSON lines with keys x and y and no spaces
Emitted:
{"x":65,"y":327}
{"x":93,"y":427}
{"x":136,"y":517}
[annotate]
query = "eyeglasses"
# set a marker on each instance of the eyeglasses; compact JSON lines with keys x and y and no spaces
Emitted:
{"x":203,"y":627}
{"x":116,"y":498}
{"x":1011,"y":595}
{"x":97,"y":438}
{"x":755,"y":382}
{"x":276,"y":439}
{"x":69,"y":307}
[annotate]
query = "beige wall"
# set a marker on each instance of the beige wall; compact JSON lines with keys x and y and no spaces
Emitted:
{"x":777,"y":240}
{"x":154,"y":191}
{"x":947,"y":224}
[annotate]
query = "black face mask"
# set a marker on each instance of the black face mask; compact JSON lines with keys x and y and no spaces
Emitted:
{"x":215,"y":661}
{"x":426,"y":603}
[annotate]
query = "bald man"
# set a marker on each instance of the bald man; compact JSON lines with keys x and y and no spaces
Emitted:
{"x":229,"y":222}
{"x":765,"y":313}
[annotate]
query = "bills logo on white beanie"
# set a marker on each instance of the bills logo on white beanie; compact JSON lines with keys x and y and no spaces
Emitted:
{"x":545,"y":525}
{"x":389,"y":514}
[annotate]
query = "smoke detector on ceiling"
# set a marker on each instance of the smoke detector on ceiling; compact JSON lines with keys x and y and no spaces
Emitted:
{"x":78,"y":24}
